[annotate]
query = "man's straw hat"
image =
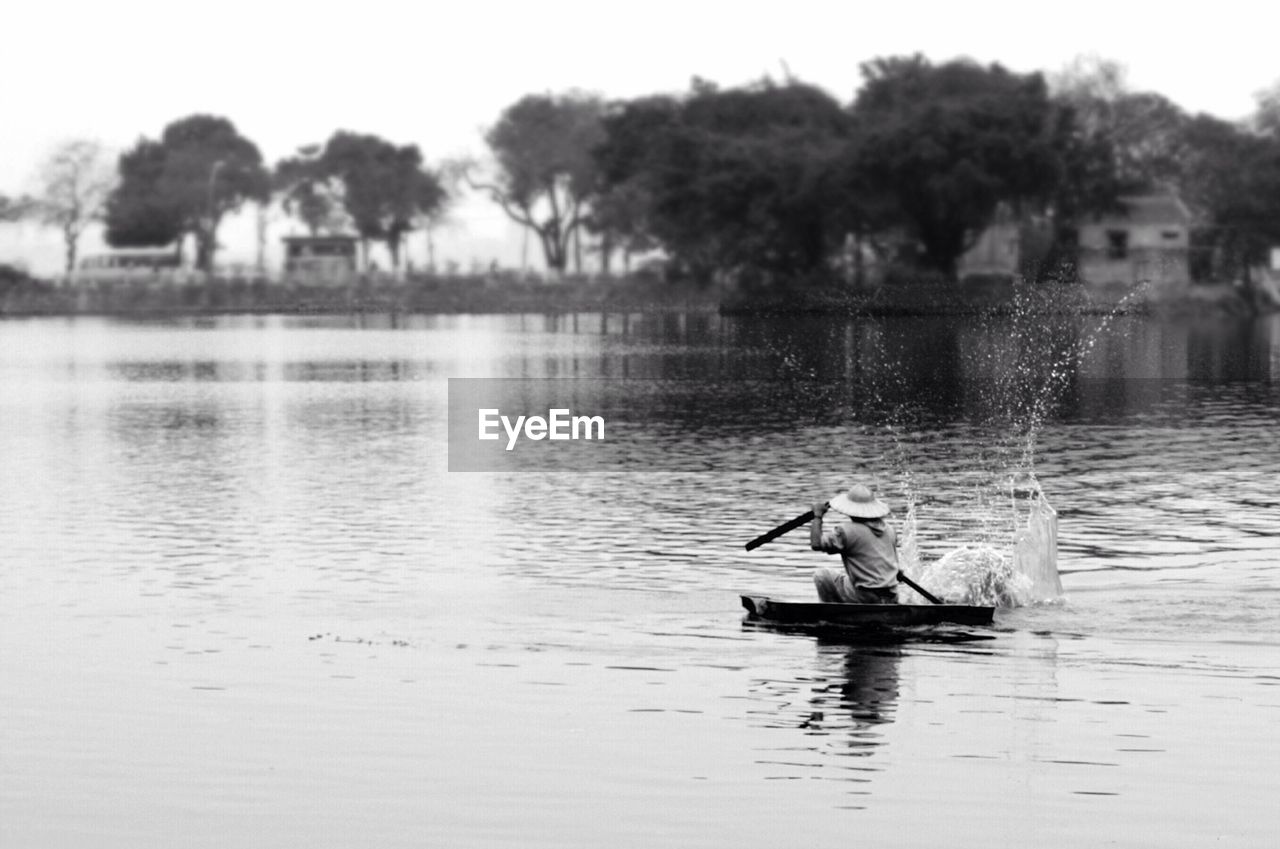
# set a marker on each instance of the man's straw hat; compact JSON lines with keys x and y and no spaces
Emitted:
{"x":860,"y":503}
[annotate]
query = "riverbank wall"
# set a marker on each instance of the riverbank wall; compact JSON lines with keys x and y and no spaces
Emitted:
{"x":421,"y":294}
{"x":478,"y":294}
{"x":988,"y":296}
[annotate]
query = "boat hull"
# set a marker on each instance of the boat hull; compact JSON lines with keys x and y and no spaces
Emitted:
{"x":766,"y":610}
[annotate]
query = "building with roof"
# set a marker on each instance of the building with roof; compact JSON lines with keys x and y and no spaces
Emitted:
{"x":1146,"y":241}
{"x":320,"y":256}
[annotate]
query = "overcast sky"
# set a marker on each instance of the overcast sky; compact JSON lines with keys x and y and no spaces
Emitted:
{"x":436,"y":74}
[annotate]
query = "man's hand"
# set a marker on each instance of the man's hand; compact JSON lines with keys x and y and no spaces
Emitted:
{"x":819,"y":508}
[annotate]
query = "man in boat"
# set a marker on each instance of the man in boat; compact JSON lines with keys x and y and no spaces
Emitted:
{"x":865,"y":542}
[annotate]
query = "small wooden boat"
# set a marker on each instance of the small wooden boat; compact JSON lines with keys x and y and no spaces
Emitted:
{"x":765,"y":610}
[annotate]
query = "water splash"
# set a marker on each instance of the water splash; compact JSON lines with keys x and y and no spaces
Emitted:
{"x":1035,"y":550}
{"x":981,"y":574}
{"x":1022,"y":572}
{"x":1024,"y":356}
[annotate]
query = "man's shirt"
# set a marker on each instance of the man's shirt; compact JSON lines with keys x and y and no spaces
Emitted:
{"x":868,"y":548}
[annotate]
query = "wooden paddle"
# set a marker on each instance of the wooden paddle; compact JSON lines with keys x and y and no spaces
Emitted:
{"x":804,"y":519}
{"x":902,"y":576}
{"x":786,"y":527}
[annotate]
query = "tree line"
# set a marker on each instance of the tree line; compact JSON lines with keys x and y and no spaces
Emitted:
{"x":773,"y":182}
{"x":202,"y":168}
{"x":162,"y":192}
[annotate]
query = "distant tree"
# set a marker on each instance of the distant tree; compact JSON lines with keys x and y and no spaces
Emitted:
{"x":628,"y":160}
{"x":1143,"y":131}
{"x":74,"y":183}
{"x":140,"y":212}
{"x":619,"y":219}
{"x":1231,"y":176}
{"x":200,"y":170}
{"x":745,"y":180}
{"x":15,"y":209}
{"x":1090,"y":183}
{"x":1085,"y":92}
{"x":384,"y":189}
{"x":870,"y":214}
{"x":1266,"y":118}
{"x":950,"y":142}
{"x":308,"y":193}
{"x":1090,"y":83}
{"x":542,"y":147}
{"x":1147,"y":136}
{"x":1228,"y":173}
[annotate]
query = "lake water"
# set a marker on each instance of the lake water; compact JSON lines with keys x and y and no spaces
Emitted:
{"x":243,"y":603}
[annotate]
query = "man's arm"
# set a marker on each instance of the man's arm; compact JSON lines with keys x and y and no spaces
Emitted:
{"x":815,"y":527}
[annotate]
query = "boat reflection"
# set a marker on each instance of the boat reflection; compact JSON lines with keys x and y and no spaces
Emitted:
{"x":852,"y":691}
{"x":857,"y":693}
{"x":841,"y":705}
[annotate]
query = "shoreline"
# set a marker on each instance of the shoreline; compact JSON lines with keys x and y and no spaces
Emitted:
{"x":478,"y":296}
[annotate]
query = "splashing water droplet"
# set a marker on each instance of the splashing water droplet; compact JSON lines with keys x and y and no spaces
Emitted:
{"x":1024,"y":358}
